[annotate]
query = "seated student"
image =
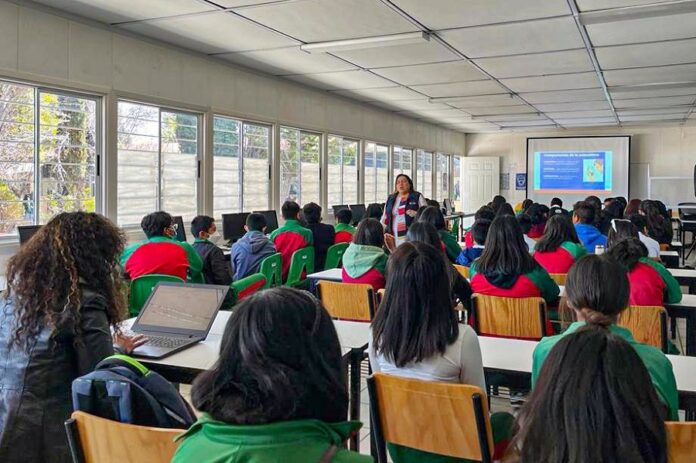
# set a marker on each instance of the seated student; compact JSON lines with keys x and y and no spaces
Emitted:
{"x":160,"y":253}
{"x":556,"y":207}
{"x":497,"y":201}
{"x":251,"y":249}
{"x":64,"y":296}
{"x":538,"y":216}
{"x":291,"y":236}
{"x":633,"y":207}
{"x":505,"y":209}
{"x":507,"y":269}
{"x":216,"y":267}
{"x":524,"y":205}
{"x":323,"y":235}
{"x":593,"y":402}
{"x":659,"y":223}
{"x":560,"y":246}
{"x":277,"y":391}
{"x":374,"y":211}
{"x":584,"y":220}
{"x":344,"y":230}
{"x":651,"y":284}
{"x":484,"y":212}
{"x":597,"y":289}
{"x":612,"y":211}
{"x":641,"y":224}
{"x":526,"y":225}
{"x":434,"y":217}
{"x":364,"y":260}
{"x":415,"y":333}
{"x":479,"y":231}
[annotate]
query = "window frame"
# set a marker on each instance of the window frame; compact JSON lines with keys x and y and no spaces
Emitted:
{"x":323,"y":138}
{"x":358,"y":159}
{"x":388,"y":168}
{"x":436,"y":171}
{"x":417,"y":170}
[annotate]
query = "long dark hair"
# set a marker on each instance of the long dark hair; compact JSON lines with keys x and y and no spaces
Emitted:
{"x":659,"y":226}
{"x":280,"y":360}
{"x":73,"y":250}
{"x":559,"y":229}
{"x":628,"y":252}
{"x":374,"y":211}
{"x":596,"y":395}
{"x":620,"y":229}
{"x":424,"y":233}
{"x":505,"y":250}
{"x":505,"y":209}
{"x":415,"y":320}
{"x":433,"y":216}
{"x":370,"y":232}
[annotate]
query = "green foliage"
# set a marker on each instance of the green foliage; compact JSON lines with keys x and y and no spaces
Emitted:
{"x":10,"y":212}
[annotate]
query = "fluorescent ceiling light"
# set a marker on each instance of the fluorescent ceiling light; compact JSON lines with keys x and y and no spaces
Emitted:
{"x":459,"y":99}
{"x":367,"y":42}
{"x":637,"y":12}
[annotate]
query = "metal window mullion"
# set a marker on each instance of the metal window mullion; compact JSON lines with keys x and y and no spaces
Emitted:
{"x":240,"y":165}
{"x":299,"y":166}
{"x":159,"y":161}
{"x":37,"y":146}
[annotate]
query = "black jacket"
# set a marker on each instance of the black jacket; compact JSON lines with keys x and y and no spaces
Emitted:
{"x":35,"y":383}
{"x":323,"y":237}
{"x":216,"y":267}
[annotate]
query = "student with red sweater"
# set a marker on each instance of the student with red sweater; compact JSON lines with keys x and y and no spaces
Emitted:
{"x":344,"y":230}
{"x":559,"y":247}
{"x":292,"y":236}
{"x":365,"y":260}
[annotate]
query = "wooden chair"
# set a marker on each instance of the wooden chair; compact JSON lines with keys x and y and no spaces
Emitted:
{"x":559,"y":278}
{"x":379,"y":296}
{"x":509,"y":317}
{"x":648,"y":324}
{"x":442,"y":418}
{"x":347,"y":301}
{"x":463,"y":271}
{"x":97,"y":440}
{"x":681,"y":442}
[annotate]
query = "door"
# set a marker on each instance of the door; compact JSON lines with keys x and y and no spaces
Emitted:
{"x":480,"y":181}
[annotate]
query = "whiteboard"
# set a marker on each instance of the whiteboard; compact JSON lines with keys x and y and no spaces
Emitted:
{"x":672,"y":190}
{"x":639,"y":181}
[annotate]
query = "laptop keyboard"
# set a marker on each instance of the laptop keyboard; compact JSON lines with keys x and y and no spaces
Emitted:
{"x":163,"y":341}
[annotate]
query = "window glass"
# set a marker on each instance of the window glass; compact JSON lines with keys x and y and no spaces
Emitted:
{"x":300,"y":153}
{"x":424,"y":173}
{"x":342,"y":181}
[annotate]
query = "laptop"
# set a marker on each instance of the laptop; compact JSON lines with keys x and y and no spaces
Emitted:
{"x":177,"y":316}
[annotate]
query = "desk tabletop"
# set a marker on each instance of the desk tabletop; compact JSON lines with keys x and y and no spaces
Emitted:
{"x":333,"y":274}
{"x":682,"y":272}
{"x":669,"y":253}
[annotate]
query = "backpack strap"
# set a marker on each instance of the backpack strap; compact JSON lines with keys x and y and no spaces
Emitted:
{"x":125,"y":361}
{"x":328,"y":455}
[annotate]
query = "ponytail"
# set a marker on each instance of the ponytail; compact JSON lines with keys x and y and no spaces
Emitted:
{"x":597,"y":319}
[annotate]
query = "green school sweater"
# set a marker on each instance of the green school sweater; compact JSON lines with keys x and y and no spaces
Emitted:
{"x":452,"y":247}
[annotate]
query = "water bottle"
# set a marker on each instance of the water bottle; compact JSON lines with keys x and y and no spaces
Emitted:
{"x":599,"y":249}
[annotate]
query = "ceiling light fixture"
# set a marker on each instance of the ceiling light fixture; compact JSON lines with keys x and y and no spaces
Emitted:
{"x":367,"y":42}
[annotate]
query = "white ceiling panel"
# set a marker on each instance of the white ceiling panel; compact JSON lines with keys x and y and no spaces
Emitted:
{"x":515,"y":38}
{"x":503,"y":99}
{"x":434,"y":113}
{"x":514,"y":117}
{"x":629,"y":92}
{"x":655,"y":111}
{"x":647,"y":54}
{"x":243,"y":3}
{"x":655,"y":102}
{"x":283,"y":61}
{"x":589,"y":5}
{"x":422,"y":104}
{"x":453,"y":71}
{"x":539,"y":123}
{"x":643,"y":30}
{"x":323,"y":20}
{"x":481,"y":87}
{"x":498,"y":110}
{"x":562,"y":62}
{"x":573,"y":106}
{"x":399,"y":55}
{"x":565,"y":96}
{"x":446,"y":14}
{"x":676,"y":73}
{"x":381,"y":94}
{"x":561,"y":82}
{"x":653,"y":118}
{"x":110,"y":11}
{"x":586,"y":121}
{"x":579,"y":114}
{"x":345,"y":80}
{"x":211,"y":33}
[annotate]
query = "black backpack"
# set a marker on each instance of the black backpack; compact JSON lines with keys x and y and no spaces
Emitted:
{"x":122,"y":389}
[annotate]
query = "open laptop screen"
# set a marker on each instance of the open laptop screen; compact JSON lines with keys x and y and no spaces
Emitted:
{"x":179,"y":308}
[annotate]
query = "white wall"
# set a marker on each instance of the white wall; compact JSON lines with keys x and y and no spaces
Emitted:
{"x":670,"y":151}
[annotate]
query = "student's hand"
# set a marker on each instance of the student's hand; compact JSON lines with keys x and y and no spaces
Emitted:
{"x":389,"y":242}
{"x":411,"y":213}
{"x":128,"y":343}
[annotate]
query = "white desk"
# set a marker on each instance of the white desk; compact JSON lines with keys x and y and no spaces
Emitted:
{"x":3,"y":283}
{"x":333,"y":274}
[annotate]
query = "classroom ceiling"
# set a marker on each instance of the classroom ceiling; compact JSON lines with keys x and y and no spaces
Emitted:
{"x":489,"y":65}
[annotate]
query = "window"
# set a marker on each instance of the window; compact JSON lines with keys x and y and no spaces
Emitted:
{"x":240,"y":183}
{"x":402,"y":161}
{"x":342,"y":187}
{"x":424,"y":173}
{"x":443,"y":177}
{"x":456,"y":182}
{"x":300,"y":172}
{"x":50,"y":173}
{"x":157,"y":162}
{"x":376,"y":173}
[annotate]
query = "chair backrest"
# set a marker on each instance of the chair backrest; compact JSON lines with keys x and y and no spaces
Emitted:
{"x":248,"y":286}
{"x":334,"y":256}
{"x":454,"y":227}
{"x":681,"y":442}
{"x":141,"y":287}
{"x":442,"y":418}
{"x":347,"y":301}
{"x":97,"y":440}
{"x":272,"y":268}
{"x":463,"y":271}
{"x":302,"y":262}
{"x":559,"y":278}
{"x":509,"y":317}
{"x":648,"y":324}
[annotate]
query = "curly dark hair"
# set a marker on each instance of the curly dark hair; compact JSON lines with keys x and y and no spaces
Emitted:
{"x":73,"y":249}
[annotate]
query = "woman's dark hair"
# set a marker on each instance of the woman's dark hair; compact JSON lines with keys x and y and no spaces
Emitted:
{"x":659,"y":226}
{"x":433,"y":216}
{"x":432,"y":203}
{"x":505,"y":209}
{"x":526,"y":203}
{"x":597,"y":287}
{"x":594,"y":202}
{"x":614,"y":210}
{"x":415,"y":320}
{"x":536,"y":213}
{"x":280,"y":360}
{"x":640,"y":222}
{"x":622,"y":200}
{"x":374,"y":211}
{"x":559,"y":229}
{"x":497,"y":202}
{"x":370,"y":232}
{"x":596,"y":394}
{"x":410,"y":182}
{"x":73,"y":250}
{"x":424,"y":233}
{"x":628,"y":252}
{"x":155,"y":223}
{"x":633,"y":207}
{"x":485,"y":212}
{"x":480,"y":231}
{"x":311,"y":212}
{"x":525,"y":223}
{"x":620,"y":229}
{"x":505,"y":251}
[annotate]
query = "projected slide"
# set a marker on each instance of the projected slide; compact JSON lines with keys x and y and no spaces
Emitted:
{"x":573,"y":172}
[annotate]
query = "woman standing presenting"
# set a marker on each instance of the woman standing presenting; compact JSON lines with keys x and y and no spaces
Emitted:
{"x":401,"y":207}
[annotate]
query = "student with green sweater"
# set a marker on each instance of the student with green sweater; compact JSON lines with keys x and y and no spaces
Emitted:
{"x":344,"y":230}
{"x":277,"y":392}
{"x":292,"y":236}
{"x":434,"y":217}
{"x":364,"y":260}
